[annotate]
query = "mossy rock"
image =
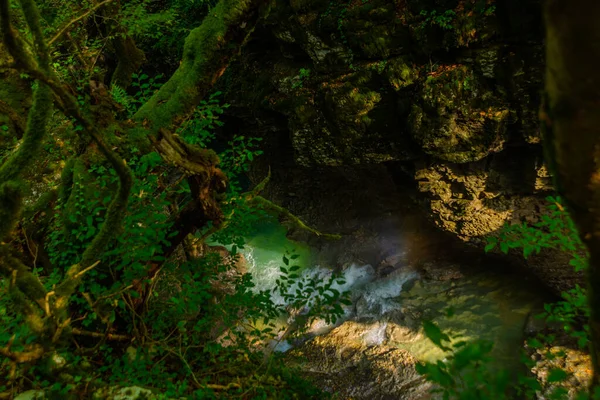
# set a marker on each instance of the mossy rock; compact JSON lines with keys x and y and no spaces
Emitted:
{"x":346,"y":120}
{"x":458,"y":119}
{"x":401,"y":73}
{"x":450,"y":24}
{"x":374,"y":30}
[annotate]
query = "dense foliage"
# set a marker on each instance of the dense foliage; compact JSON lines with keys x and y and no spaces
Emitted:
{"x":116,"y":187}
{"x":467,"y":372}
{"x":109,"y":203}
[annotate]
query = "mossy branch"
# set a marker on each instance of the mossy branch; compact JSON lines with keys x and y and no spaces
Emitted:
{"x":24,"y":280}
{"x":66,"y":181}
{"x":12,"y":169}
{"x":36,"y":127}
{"x":13,"y":115}
{"x":253,"y":197}
{"x":11,"y":197}
{"x":38,"y":117}
{"x":32,"y":16}
{"x":258,"y":188}
{"x":64,"y":29}
{"x":269,"y":205}
{"x":208,"y":50}
{"x":15,"y":46}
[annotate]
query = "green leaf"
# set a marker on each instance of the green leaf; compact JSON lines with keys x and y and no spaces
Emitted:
{"x":556,"y":375}
{"x":434,"y":333}
{"x":534,"y":343}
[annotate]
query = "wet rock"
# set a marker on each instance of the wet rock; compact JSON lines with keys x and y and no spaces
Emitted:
{"x":455,"y":106}
{"x":576,"y":363}
{"x":457,"y":118}
{"x":354,"y":362}
{"x":441,"y":272}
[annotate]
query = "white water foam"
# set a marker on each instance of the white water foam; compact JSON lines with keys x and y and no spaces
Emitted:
{"x":376,"y":336}
{"x":382,"y":292}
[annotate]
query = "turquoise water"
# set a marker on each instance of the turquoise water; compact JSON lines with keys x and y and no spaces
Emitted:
{"x":265,"y":250}
{"x":486,"y":305}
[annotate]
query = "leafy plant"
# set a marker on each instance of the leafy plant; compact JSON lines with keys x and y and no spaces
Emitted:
{"x":145,"y":87}
{"x":298,"y":80}
{"x":199,"y":129}
{"x":555,"y":230}
{"x":444,"y":19}
{"x":465,"y":373}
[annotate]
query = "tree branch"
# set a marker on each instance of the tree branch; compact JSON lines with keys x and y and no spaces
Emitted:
{"x":77,"y":19}
{"x":14,"y":116}
{"x":269,"y":205}
{"x":207,"y":52}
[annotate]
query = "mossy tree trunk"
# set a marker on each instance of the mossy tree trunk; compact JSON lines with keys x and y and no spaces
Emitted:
{"x":208,"y":50}
{"x":571,"y":119}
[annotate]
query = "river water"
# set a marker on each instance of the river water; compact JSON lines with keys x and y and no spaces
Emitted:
{"x":466,"y":303}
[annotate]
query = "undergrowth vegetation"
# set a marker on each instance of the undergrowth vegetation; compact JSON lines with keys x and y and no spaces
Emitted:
{"x":110,"y":275}
{"x":125,"y":208}
{"x":467,"y":373}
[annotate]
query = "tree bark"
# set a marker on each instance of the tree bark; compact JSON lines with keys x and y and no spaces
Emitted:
{"x":571,"y":120}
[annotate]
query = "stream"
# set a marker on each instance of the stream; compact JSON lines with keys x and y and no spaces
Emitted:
{"x":386,"y":313}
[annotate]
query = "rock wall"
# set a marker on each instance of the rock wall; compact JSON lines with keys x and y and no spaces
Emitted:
{"x":445,"y":91}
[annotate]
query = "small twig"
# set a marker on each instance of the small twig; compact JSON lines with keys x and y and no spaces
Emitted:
{"x":47,"y":302}
{"x":109,"y":336}
{"x":60,"y":330}
{"x":182,"y":358}
{"x":82,"y":272}
{"x":23,"y":356}
{"x":108,"y":296}
{"x":294,"y":219}
{"x":213,"y":386}
{"x":73,"y":21}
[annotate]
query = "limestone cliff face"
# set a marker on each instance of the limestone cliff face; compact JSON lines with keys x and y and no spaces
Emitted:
{"x":448,"y":90}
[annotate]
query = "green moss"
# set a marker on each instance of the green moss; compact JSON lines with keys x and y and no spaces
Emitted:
{"x":207,"y":51}
{"x":32,"y":139}
{"x":349,"y":106}
{"x":373,"y":29}
{"x":130,"y":60}
{"x":11,"y":196}
{"x":458,"y":119}
{"x":13,"y":167}
{"x":400,"y":74}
